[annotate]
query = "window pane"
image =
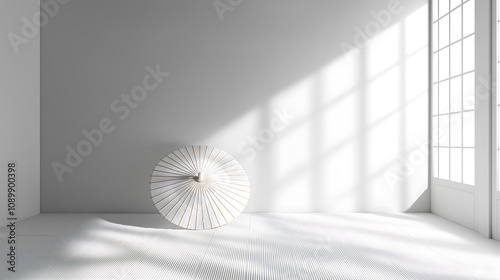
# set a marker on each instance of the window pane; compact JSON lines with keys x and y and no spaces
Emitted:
{"x":469,"y":92}
{"x":444,"y":97}
{"x":444,"y":67}
{"x":469,"y":129}
{"x":456,"y":94}
{"x":444,"y":7}
{"x":444,"y":31}
{"x":456,"y":130}
{"x":435,"y":11}
{"x":454,"y":3}
{"x":444,"y":163}
{"x":469,"y":166}
{"x":456,"y":25}
{"x":444,"y":130}
{"x":456,"y":59}
{"x":469,"y":54}
{"x":456,"y":164}
{"x":469,"y":25}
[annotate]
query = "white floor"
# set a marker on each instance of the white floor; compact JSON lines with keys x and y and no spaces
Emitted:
{"x":254,"y":246}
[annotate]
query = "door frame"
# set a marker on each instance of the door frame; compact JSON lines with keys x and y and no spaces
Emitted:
{"x":484,"y":120}
{"x":495,"y":194}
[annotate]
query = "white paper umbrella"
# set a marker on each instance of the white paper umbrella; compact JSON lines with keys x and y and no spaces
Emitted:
{"x":199,"y":187}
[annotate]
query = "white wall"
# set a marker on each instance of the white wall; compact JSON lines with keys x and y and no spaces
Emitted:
{"x":357,"y":138}
{"x":20,"y":106}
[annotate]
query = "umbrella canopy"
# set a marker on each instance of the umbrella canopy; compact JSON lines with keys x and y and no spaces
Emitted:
{"x":199,"y":187}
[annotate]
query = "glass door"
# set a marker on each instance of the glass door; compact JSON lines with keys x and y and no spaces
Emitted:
{"x":461,"y":63}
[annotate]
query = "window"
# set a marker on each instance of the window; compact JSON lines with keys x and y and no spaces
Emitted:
{"x":453,"y":91}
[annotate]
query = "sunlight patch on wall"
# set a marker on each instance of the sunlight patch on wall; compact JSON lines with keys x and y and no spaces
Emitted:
{"x":354,"y":121}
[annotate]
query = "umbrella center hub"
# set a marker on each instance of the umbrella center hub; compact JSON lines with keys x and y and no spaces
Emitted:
{"x":200,"y":177}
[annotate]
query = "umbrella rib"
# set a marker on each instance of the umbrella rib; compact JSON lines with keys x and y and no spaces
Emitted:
{"x":195,"y":159}
{"x":208,"y":159}
{"x":220,"y":211}
{"x":166,"y":191}
{"x":167,"y":176}
{"x":187,"y":160}
{"x":169,"y":180}
{"x":183,"y":185}
{"x":211,"y":206}
{"x":185,"y":210}
{"x":222,"y":186}
{"x":167,"y":172}
{"x":172,"y":198}
{"x":215,"y":163}
{"x":184,"y":165}
{"x":164,"y":186}
{"x":179,"y":170}
{"x":212,"y":162}
{"x":179,"y":166}
{"x":227,"y":185}
{"x":208,"y":212}
{"x":192,"y":160}
{"x":221,"y":166}
{"x":225,"y":193}
{"x":183,"y":196}
{"x":196,"y":216}
{"x":173,"y":165}
{"x":235,"y":184}
{"x":228,"y":171}
{"x":182,"y":203}
{"x":199,"y":156}
{"x":204,"y":159}
{"x":191,"y":214}
{"x":213,"y":191}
